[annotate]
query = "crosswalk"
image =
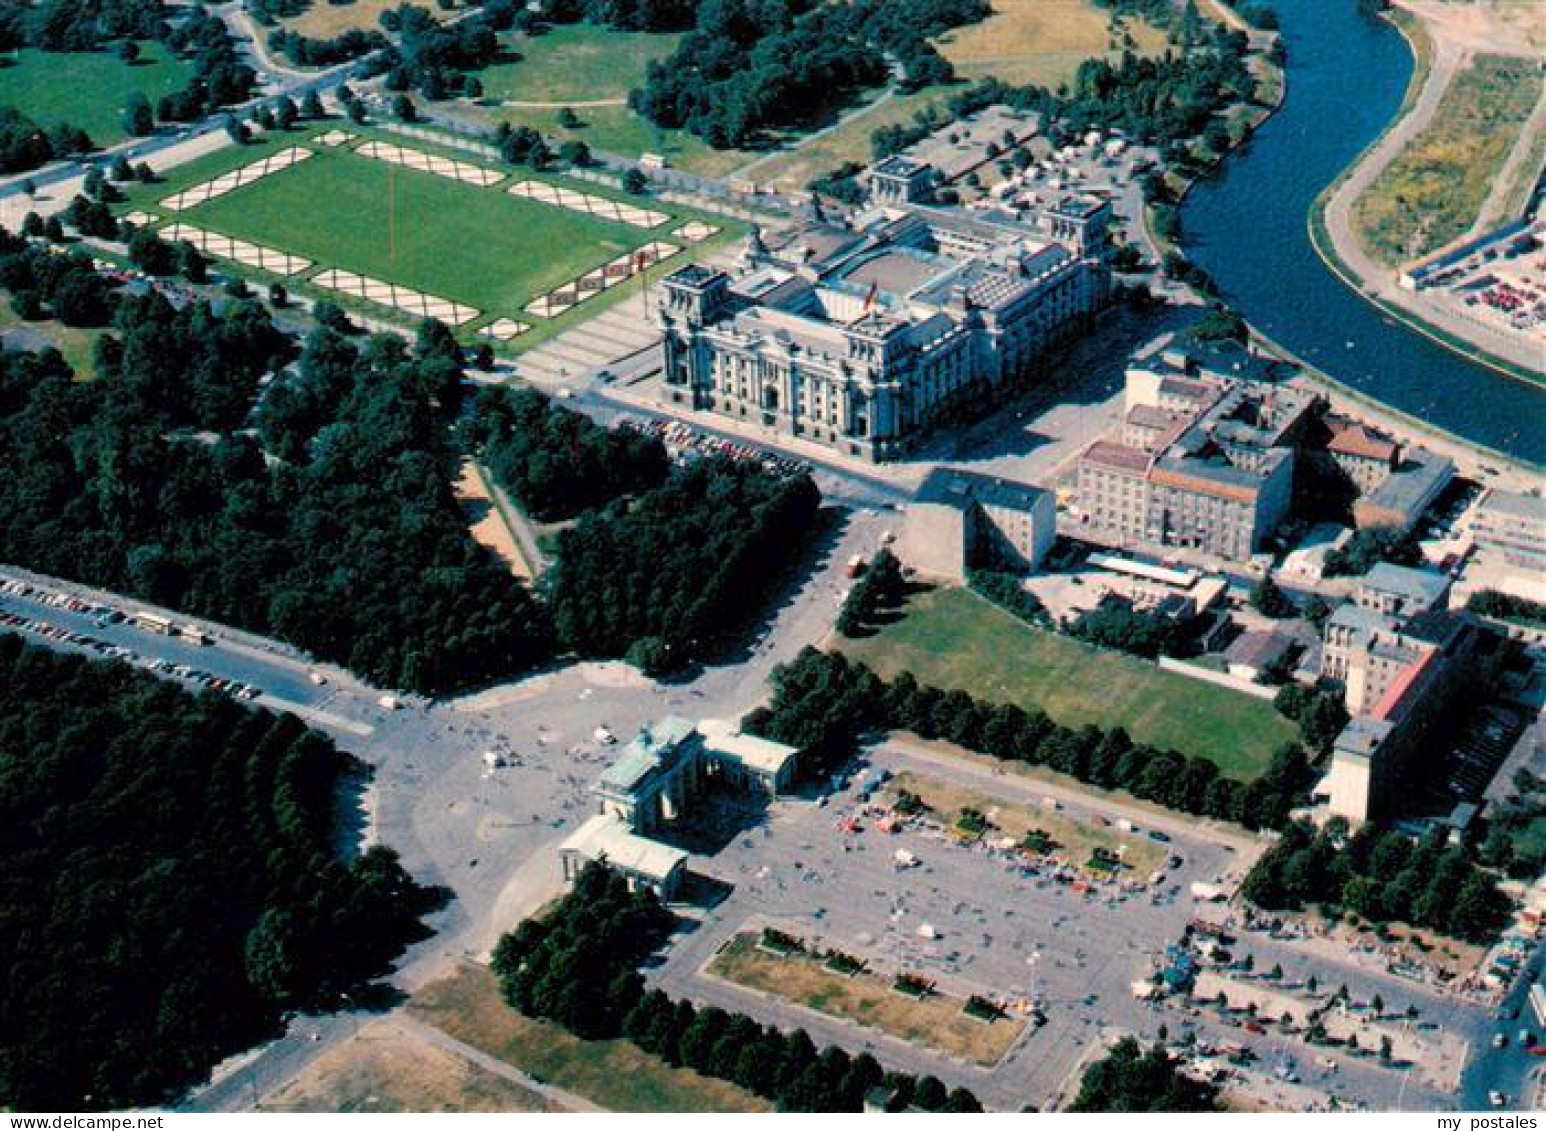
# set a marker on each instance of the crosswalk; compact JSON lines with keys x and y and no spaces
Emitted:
{"x":622,"y":331}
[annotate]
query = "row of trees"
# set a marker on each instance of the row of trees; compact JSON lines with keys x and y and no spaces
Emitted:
{"x":558,"y":463}
{"x":825,"y":703}
{"x":168,"y":885}
{"x":308,"y":51}
{"x":625,"y":15}
{"x":1116,"y":623}
{"x":579,"y":966}
{"x":879,"y":592}
{"x":1506,"y":606}
{"x":1006,"y":591}
{"x":80,"y":25}
{"x":1381,"y":875}
{"x":749,"y":68}
{"x":220,"y":76}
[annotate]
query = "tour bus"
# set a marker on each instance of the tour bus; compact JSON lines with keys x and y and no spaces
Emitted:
{"x":152,"y":622}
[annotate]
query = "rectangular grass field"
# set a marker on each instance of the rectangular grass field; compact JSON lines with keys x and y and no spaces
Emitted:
{"x":952,"y":638}
{"x":478,"y":246}
{"x":88,"y":89}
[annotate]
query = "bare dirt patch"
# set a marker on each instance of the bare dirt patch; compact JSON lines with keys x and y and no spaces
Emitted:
{"x":386,"y":1068}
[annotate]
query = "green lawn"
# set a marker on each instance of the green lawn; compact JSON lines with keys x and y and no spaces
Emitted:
{"x":75,"y":344}
{"x":575,"y":63}
{"x":952,"y":638}
{"x":580,"y":63}
{"x":478,"y":246}
{"x":88,"y":89}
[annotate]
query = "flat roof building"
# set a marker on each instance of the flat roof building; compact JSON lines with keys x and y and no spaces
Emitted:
{"x":745,"y":762}
{"x":1513,"y":525}
{"x":1401,"y":591}
{"x":1206,"y":464}
{"x":1401,"y":498}
{"x":960,"y":520}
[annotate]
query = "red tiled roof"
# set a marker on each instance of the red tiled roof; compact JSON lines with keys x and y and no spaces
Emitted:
{"x":1201,"y":484}
{"x":1120,"y":456}
{"x":1353,"y":439}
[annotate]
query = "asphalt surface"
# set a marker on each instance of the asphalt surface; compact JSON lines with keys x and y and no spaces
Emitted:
{"x":797,"y":869}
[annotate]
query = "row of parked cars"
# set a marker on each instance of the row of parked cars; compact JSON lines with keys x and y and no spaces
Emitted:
{"x":683,"y":440}
{"x":104,"y":616}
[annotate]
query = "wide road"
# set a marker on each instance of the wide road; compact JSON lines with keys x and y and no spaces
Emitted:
{"x":487,"y":836}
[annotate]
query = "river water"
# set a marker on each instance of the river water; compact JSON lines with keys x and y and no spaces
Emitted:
{"x":1347,"y":75}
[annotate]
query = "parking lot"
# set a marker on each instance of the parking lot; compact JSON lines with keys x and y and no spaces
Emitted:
{"x":971,"y":916}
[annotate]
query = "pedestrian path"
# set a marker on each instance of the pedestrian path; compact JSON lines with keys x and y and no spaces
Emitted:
{"x":627,"y":329}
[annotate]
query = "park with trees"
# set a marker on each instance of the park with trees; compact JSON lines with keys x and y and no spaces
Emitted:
{"x":170,"y":883}
{"x":558,"y":463}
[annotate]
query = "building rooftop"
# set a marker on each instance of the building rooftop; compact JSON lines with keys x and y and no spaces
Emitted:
{"x":1350,"y":438}
{"x":899,"y":165}
{"x":725,"y":737}
{"x":695,"y":274}
{"x":1349,"y":615}
{"x":1412,"y":485}
{"x":1425,"y":587}
{"x":1118,"y":456}
{"x":605,"y":836}
{"x":1257,"y":649}
{"x":1363,"y":736}
{"x":1406,"y":688}
{"x":1531,"y":508}
{"x":1216,"y":476}
{"x":952,"y":487}
{"x":1151,"y":416}
{"x":653,"y":745}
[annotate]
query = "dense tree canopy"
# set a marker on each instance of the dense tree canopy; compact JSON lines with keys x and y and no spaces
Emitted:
{"x":749,"y":67}
{"x":558,"y":463}
{"x":674,"y":572}
{"x":1132,"y":1079}
{"x":168,"y":883}
{"x":344,"y":538}
{"x":1382,"y":875}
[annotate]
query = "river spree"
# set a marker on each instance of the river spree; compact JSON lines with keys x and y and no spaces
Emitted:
{"x":1347,"y":74}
